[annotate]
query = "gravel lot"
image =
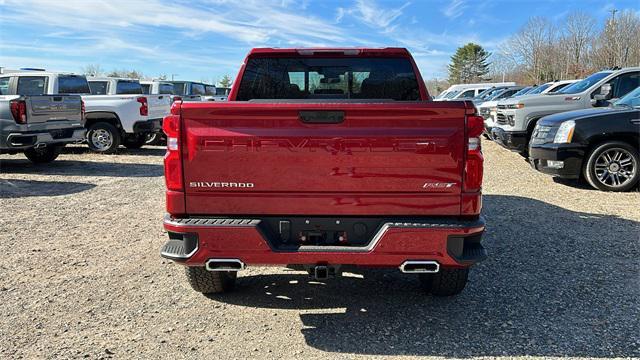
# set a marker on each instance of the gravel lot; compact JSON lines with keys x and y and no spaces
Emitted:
{"x":81,"y":276}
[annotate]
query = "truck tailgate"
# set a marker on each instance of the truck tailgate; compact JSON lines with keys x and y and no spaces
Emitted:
{"x":387,"y":158}
{"x":51,"y":108}
{"x":159,"y":105}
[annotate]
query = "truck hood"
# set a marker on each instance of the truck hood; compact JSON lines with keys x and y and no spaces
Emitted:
{"x":558,"y":118}
{"x":488,"y":104}
{"x":538,"y":99}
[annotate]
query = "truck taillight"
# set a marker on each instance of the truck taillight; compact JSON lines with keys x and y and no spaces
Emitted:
{"x":82,"y":110}
{"x":19,"y":111}
{"x":177,"y":98}
{"x":473,"y":170}
{"x":144,"y":108}
{"x":172,"y":159}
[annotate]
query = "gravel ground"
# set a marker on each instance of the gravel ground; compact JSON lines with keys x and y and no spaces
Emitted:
{"x":81,"y":276}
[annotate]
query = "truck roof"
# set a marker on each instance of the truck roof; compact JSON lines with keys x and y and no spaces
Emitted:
{"x":347,"y":51}
{"x":38,"y":73}
{"x":109,"y":79}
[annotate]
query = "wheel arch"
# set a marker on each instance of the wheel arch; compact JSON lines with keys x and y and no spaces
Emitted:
{"x":599,"y":139}
{"x":102,"y":116}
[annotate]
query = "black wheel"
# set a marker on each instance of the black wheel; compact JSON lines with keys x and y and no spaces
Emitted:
{"x":612,"y":166}
{"x":103,"y":137}
{"x":155,"y":139}
{"x":210,"y":282}
{"x":446,"y":282}
{"x":43,"y":155}
{"x":134,"y":141}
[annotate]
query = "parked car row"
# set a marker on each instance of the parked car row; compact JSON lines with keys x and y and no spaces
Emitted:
{"x":42,"y":111}
{"x":587,"y":129}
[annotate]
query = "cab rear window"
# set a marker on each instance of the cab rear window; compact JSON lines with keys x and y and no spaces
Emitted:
{"x":166,"y":89}
{"x":73,"y":85}
{"x":32,"y":85}
{"x":98,"y":87}
{"x":329,"y":78}
{"x":128,"y":87}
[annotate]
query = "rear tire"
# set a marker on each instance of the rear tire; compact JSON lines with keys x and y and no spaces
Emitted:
{"x":210,"y":282}
{"x":446,"y":282}
{"x":43,"y":155}
{"x":613,"y":166}
{"x":155,"y":139}
{"x":134,"y":141}
{"x":104,"y":138}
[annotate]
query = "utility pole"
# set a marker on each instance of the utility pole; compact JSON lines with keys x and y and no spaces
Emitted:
{"x":172,"y":75}
{"x":614,"y":30}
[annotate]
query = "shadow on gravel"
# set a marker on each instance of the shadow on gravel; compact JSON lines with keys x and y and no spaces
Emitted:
{"x":24,"y":188}
{"x":80,"y":168}
{"x":144,"y":151}
{"x":557,"y":283}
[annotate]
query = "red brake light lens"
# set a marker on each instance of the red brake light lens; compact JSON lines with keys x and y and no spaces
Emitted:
{"x":144,"y":107}
{"x":172,"y":159}
{"x":18,"y":111}
{"x":82,"y":109}
{"x":475,"y":126}
{"x":473,"y":171}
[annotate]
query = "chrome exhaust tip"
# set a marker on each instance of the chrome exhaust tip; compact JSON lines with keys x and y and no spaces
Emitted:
{"x":420,"y":267}
{"x":224,"y":265}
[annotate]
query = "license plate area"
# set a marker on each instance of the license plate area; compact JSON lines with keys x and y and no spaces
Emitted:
{"x":292,"y":233}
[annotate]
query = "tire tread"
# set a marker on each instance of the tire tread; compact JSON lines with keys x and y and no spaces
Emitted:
{"x":210,"y":282}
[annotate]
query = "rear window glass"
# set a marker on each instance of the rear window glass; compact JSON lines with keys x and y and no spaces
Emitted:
{"x":73,"y":85}
{"x":146,"y":88}
{"x":329,"y":78}
{"x":210,"y":90}
{"x":559,"y":87}
{"x":4,"y":86}
{"x":222,"y":91}
{"x":128,"y":87}
{"x":197,"y":89}
{"x":166,"y":89}
{"x":178,"y":88}
{"x":467,"y":94}
{"x":32,"y":85}
{"x":98,"y":87}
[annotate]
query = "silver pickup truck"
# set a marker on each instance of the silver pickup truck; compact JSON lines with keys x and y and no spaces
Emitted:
{"x":39,"y":125}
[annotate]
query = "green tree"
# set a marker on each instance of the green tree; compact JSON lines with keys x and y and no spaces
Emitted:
{"x":469,"y":64}
{"x":225,"y":82}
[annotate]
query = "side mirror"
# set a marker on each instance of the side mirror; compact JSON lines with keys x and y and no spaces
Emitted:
{"x":606,"y":93}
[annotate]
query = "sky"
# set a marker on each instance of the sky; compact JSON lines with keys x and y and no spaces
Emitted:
{"x":206,"y":39}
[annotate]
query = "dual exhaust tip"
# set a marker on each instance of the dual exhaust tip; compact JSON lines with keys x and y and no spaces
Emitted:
{"x":420,"y":267}
{"x":322,"y":272}
{"x":225,"y":265}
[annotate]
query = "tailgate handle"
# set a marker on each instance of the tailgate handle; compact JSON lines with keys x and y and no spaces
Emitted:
{"x":321,"y":117}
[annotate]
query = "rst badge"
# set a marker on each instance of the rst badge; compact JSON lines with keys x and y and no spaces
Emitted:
{"x":219,"y":184}
{"x":431,"y":185}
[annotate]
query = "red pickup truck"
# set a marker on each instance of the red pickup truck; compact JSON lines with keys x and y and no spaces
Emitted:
{"x":324,"y":160}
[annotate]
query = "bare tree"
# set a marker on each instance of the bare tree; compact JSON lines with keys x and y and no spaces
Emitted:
{"x":578,"y":32}
{"x":124,"y":73}
{"x":530,"y":47}
{"x":617,"y":44}
{"x":93,"y":70}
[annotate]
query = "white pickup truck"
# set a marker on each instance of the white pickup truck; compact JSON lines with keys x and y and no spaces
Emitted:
{"x":119,"y":113}
{"x":157,"y":87}
{"x":188,"y":90}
